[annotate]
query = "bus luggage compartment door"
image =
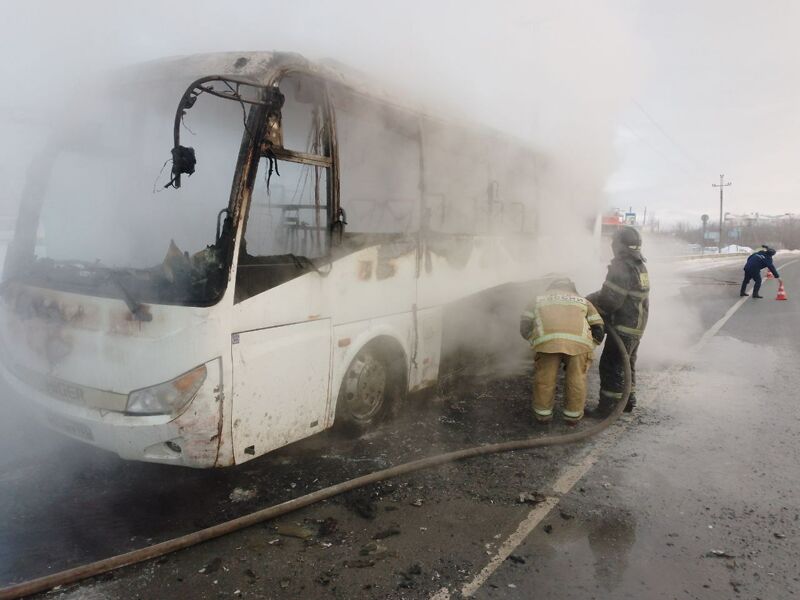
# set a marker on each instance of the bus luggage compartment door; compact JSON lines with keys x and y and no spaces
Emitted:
{"x":280,"y":385}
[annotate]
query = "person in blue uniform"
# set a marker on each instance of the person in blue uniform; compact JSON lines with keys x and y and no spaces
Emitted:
{"x":752,"y":270}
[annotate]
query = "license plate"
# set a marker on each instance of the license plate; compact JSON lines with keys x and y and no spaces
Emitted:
{"x":70,"y":427}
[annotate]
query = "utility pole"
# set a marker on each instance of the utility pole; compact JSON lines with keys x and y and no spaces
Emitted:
{"x":722,"y":185}
{"x":704,"y":219}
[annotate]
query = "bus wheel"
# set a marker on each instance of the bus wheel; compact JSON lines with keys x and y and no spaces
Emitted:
{"x":367,"y":393}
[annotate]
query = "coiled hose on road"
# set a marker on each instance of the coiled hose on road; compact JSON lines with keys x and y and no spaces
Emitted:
{"x":70,"y":576}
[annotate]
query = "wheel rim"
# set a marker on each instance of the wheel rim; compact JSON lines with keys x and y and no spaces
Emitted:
{"x":366,"y":388}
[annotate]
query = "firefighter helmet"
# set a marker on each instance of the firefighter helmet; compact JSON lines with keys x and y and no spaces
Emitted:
{"x":627,"y":242}
{"x":563,"y":283}
{"x":629,"y":237}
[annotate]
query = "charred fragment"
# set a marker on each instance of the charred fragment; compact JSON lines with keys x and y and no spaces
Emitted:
{"x":183,"y":157}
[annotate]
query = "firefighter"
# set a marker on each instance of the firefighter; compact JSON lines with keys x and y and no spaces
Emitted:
{"x":752,"y":269}
{"x":624,"y":303}
{"x":563,"y":328}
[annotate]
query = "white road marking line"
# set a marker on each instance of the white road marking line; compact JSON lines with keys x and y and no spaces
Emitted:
{"x":714,"y":330}
{"x":565,"y":482}
{"x":515,"y":539}
{"x":786,"y":264}
{"x":572,"y":475}
{"x":575,"y":473}
{"x":442,"y":594}
{"x":718,"y":325}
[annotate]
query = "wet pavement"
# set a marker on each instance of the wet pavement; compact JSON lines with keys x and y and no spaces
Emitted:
{"x":699,"y":499}
{"x":692,"y":497}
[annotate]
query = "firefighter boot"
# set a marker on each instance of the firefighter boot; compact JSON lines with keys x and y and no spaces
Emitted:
{"x":601,"y":411}
{"x":631,"y":404}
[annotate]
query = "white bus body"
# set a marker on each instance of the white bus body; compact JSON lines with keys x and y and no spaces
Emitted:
{"x":312,"y":320}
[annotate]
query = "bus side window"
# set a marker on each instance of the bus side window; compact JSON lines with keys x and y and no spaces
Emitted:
{"x":291,"y":216}
{"x":379,"y":165}
{"x":457,"y":179}
{"x":302,"y":115}
{"x":288,"y":217}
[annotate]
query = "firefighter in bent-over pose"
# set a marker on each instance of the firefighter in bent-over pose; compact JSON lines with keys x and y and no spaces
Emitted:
{"x":563,"y":328}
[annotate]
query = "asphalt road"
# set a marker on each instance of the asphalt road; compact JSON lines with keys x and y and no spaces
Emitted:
{"x":694,"y":496}
{"x":700,"y":499}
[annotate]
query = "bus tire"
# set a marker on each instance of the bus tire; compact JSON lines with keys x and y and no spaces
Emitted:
{"x":372,"y":388}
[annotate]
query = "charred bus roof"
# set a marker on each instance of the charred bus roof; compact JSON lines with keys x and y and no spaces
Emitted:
{"x":259,"y":68}
{"x":263,"y":68}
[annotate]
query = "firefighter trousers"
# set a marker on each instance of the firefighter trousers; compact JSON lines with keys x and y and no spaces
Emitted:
{"x":612,"y":371}
{"x":545,"y":374}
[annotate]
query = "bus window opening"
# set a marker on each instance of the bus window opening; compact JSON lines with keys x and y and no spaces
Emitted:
{"x":288,"y":221}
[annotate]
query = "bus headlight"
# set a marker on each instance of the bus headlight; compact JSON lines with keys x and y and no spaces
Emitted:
{"x":168,"y":397}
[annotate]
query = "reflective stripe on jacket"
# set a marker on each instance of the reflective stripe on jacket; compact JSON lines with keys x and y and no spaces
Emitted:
{"x":624,"y":299}
{"x":561,"y":322}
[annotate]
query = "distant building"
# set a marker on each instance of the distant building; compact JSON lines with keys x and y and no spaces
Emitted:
{"x":749,"y":220}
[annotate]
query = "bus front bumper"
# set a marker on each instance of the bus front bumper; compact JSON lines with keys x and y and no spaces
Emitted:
{"x":191,"y":439}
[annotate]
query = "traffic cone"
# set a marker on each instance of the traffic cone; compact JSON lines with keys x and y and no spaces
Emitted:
{"x":770,"y":275}
{"x":781,"y":293}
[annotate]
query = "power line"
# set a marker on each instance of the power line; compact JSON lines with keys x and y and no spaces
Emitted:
{"x":666,"y":157}
{"x":695,"y":163}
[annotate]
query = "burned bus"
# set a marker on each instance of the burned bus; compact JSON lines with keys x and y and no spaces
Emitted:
{"x":219,"y":255}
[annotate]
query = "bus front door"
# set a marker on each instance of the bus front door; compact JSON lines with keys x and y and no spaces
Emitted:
{"x":280,"y":385}
{"x":282,"y":353}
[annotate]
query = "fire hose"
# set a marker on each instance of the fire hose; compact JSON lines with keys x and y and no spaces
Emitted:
{"x":76,"y":574}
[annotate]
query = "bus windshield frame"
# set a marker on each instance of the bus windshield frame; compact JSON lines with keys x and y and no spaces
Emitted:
{"x":197,"y":279}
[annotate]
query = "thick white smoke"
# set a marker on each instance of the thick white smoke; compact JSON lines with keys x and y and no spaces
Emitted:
{"x":554,"y":76}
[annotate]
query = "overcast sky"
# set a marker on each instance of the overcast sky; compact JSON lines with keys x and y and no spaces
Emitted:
{"x":648,"y":100}
{"x":719,"y":94}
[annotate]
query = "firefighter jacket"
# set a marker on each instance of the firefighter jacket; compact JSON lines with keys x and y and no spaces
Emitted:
{"x":624,"y":298}
{"x":561,"y":322}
